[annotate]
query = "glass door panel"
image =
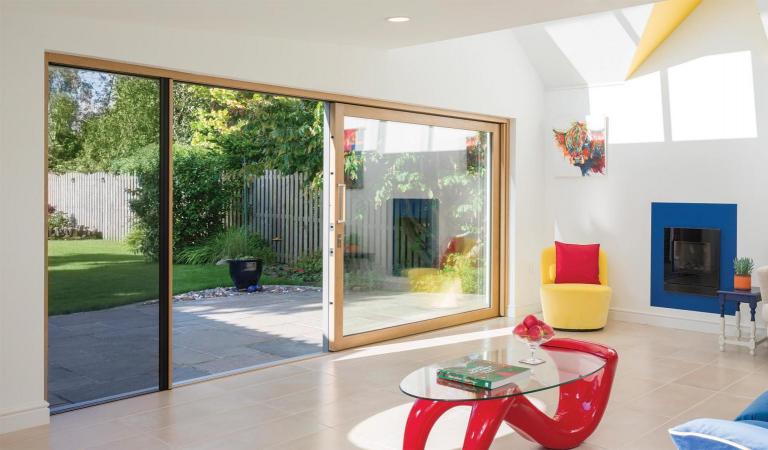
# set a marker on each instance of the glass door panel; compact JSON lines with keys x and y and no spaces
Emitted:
{"x":103,"y":203}
{"x":416,"y":222}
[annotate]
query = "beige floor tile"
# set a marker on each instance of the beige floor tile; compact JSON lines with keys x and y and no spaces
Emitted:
{"x":359,"y":408}
{"x":739,"y":358}
{"x":272,"y":433}
{"x":17,"y":438}
{"x":627,"y":388}
{"x":621,"y":425}
{"x":720,"y":406}
{"x":702,"y":356}
{"x":712,"y":377}
{"x":93,"y":435}
{"x":257,"y":376}
{"x":750,"y":386}
{"x":189,"y":412}
{"x":658,"y":439}
{"x":297,"y":402}
{"x":208,"y":428}
{"x":323,"y":440}
{"x":141,"y":442}
{"x":655,"y":368}
{"x":670,"y":400}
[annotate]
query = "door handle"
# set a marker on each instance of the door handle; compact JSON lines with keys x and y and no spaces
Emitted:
{"x":341,"y":205}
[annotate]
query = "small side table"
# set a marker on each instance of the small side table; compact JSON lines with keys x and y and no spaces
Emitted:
{"x":751,"y":297}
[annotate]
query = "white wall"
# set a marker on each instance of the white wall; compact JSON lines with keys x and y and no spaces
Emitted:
{"x":486,"y":73}
{"x":682,"y":131}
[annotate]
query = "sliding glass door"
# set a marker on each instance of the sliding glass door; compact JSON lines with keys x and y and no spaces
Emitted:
{"x":102,"y":239}
{"x":415,"y":234}
{"x":196,"y":229}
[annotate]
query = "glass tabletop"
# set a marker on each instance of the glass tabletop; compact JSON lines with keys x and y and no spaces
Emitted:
{"x":561,"y":366}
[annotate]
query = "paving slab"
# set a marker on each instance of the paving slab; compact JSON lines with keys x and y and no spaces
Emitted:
{"x":97,"y":354}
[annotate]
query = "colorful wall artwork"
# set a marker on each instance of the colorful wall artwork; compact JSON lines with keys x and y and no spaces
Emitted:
{"x":580,"y":148}
{"x":353,"y":158}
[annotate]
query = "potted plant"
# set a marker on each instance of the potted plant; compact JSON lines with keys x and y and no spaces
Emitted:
{"x":742,"y":279}
{"x":353,"y":243}
{"x":244,"y":252}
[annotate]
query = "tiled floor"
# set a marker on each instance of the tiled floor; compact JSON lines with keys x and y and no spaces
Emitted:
{"x":351,"y":399}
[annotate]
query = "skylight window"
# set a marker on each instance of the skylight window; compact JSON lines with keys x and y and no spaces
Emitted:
{"x":634,"y":109}
{"x":713,"y":97}
{"x":598,"y":46}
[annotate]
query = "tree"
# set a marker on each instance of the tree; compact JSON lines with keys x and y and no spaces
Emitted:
{"x":73,"y":99}
{"x":131,"y":121}
{"x":65,"y":144}
{"x":189,"y":102}
{"x":264,"y":132}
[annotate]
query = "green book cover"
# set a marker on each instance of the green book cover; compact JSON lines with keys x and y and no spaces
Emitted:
{"x":484,"y":374}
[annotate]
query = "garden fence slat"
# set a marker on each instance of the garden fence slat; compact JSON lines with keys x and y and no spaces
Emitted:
{"x":283,"y":208}
{"x":277,"y":206}
{"x":97,"y":200}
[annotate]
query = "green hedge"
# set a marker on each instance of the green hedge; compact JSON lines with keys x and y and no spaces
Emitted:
{"x":203,"y":190}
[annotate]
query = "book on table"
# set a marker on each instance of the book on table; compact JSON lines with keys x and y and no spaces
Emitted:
{"x":485,"y":374}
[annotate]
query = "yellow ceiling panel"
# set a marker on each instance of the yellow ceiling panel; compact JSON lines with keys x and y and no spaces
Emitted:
{"x":665,"y":17}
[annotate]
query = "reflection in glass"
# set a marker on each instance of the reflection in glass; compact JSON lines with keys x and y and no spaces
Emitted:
{"x":103,"y":276}
{"x":417,"y":223}
{"x":247,"y":242}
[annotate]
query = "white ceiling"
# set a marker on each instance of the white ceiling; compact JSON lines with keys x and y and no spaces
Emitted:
{"x":346,"y":22}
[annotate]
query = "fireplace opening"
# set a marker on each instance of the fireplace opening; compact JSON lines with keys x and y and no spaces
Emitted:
{"x":692,"y":260}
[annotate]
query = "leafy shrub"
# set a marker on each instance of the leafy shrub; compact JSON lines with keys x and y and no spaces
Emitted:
{"x":137,"y":238}
{"x":61,"y":226}
{"x":309,"y":268}
{"x":311,"y":263}
{"x":461,"y":273}
{"x":203,"y":191}
{"x":466,"y":268}
{"x":363,"y":280}
{"x":234,"y":243}
{"x":58,"y":219}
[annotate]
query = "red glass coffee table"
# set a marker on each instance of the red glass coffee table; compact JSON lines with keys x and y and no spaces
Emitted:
{"x":583,"y":372}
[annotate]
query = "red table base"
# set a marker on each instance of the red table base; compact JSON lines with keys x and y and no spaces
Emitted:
{"x":579,"y":410}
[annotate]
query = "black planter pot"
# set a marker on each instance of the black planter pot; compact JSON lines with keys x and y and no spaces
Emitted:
{"x":245,"y":272}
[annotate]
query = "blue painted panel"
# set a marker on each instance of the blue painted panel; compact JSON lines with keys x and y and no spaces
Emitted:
{"x":692,"y":215}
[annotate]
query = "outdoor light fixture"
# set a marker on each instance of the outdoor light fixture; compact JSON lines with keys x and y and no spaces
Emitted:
{"x":398,"y":19}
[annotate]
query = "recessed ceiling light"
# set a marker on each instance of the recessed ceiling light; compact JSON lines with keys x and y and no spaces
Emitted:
{"x":398,"y":19}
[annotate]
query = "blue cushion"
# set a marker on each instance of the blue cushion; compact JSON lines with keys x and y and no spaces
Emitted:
{"x":757,"y":423}
{"x":715,"y":434}
{"x":757,"y":410}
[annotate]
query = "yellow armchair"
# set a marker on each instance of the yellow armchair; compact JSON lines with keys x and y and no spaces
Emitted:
{"x":571,"y":306}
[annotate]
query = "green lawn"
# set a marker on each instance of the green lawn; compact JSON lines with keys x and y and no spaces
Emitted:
{"x":95,"y":274}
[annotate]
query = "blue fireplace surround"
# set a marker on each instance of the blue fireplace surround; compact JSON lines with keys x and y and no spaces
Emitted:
{"x":692,"y":215}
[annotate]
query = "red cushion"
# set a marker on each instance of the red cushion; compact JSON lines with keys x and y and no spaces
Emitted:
{"x":576,"y":263}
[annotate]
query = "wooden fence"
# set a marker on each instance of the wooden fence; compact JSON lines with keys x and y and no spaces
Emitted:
{"x":284,"y":212}
{"x":97,"y":200}
{"x":277,"y":207}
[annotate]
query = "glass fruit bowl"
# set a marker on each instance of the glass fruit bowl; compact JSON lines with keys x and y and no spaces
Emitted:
{"x":533,"y":332}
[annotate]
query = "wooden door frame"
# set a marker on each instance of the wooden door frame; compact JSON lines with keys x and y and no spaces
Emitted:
{"x":498,"y":225}
{"x":505,"y":130}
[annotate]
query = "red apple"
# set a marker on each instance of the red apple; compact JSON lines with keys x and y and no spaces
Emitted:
{"x":547,"y":330}
{"x":520,"y":330}
{"x":534,"y":333}
{"x":530,"y":320}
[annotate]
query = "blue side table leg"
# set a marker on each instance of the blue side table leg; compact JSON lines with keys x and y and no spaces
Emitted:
{"x":721,"y":338}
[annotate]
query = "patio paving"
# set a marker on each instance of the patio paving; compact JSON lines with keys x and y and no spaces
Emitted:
{"x":97,"y":354}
